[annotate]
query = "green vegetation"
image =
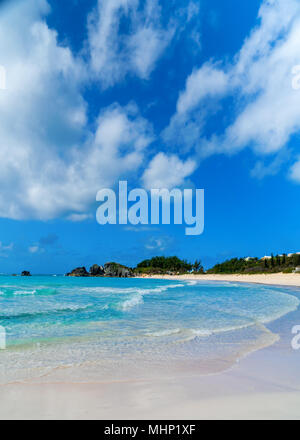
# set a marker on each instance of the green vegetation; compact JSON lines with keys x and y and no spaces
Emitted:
{"x":163,"y":265}
{"x":274,"y":264}
{"x":173,"y":265}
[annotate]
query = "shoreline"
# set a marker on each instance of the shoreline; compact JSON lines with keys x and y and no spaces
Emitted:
{"x":275,"y":279}
{"x":263,"y":384}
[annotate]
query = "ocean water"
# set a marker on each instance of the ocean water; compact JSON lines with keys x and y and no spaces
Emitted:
{"x":98,"y":329}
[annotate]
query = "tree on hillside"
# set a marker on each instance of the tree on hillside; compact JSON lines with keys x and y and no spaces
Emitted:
{"x":173,"y":264}
{"x":272,"y":260}
{"x":197,"y":267}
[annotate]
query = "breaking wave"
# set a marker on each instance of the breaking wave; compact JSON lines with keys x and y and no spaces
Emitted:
{"x":132,"y":302}
{"x":25,"y":292}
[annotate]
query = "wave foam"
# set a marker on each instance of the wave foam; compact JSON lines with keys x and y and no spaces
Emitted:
{"x":25,"y":292}
{"x":201,"y":333}
{"x":34,"y":314}
{"x":138,"y":297}
{"x":167,"y":332}
{"x":132,"y":302}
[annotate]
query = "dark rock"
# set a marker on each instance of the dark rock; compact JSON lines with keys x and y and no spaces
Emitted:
{"x":96,"y":271}
{"x":78,"y":272}
{"x":26,"y":273}
{"x":117,"y":270}
{"x":109,"y":270}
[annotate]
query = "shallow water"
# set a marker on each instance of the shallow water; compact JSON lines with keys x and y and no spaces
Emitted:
{"x":94,"y":329}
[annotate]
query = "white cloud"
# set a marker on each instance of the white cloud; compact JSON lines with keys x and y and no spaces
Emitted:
{"x":34,"y":249}
{"x":114,"y":53}
{"x":262,"y":170}
{"x":158,"y":244}
{"x":167,"y":172}
{"x":259,"y":82}
{"x":140,"y":228}
{"x":155,"y":244}
{"x":209,"y":81}
{"x":51,"y":163}
{"x":270,"y":119}
{"x":193,"y":10}
{"x":147,"y":46}
{"x":77,"y":218}
{"x":203,"y":87}
{"x":263,"y":73}
{"x":295,"y":172}
{"x":5,"y":249}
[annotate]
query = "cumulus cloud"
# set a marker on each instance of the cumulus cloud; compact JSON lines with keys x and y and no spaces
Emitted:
{"x":167,"y":172}
{"x":51,"y":162}
{"x":264,"y":75}
{"x":259,"y":84}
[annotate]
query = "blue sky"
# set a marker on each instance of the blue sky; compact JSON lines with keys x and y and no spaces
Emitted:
{"x":161,"y":94}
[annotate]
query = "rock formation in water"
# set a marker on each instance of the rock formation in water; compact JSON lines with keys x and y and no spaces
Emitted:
{"x":78,"y":272}
{"x":109,"y":270}
{"x":26,"y":273}
{"x":97,"y":271}
{"x":117,"y":270}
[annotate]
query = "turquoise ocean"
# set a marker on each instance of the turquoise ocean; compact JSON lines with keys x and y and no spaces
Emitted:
{"x":99,"y":329}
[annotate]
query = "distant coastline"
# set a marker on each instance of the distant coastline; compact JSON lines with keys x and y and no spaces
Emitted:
{"x":173,"y":266}
{"x":280,"y":269}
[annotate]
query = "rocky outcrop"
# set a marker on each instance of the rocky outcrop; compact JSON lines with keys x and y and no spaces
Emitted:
{"x":26,"y":273}
{"x":109,"y":270}
{"x":97,"y":271}
{"x":117,"y":270}
{"x":78,"y":272}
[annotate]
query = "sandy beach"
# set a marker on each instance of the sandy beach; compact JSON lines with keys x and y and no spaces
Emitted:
{"x":279,"y":279}
{"x":265,"y":384}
